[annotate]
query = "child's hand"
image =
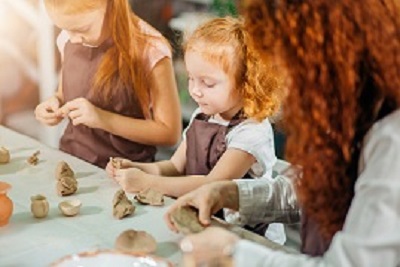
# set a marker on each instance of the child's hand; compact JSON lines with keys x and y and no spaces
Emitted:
{"x":47,"y":112}
{"x":132,"y":180}
{"x":81,"y":111}
{"x":123,"y":164}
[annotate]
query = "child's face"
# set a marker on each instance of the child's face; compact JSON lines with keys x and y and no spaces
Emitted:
{"x":83,"y":28}
{"x":211,"y":87}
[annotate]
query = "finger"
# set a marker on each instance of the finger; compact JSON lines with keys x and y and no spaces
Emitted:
{"x":54,"y":104}
{"x":169,"y":222}
{"x":78,"y":121}
{"x":74,"y":114}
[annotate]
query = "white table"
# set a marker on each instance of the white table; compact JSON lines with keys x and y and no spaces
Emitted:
{"x":27,"y":241}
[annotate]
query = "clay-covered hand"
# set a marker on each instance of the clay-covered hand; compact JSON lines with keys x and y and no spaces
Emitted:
{"x":81,"y":111}
{"x":204,"y":249}
{"x":133,"y":180}
{"x":208,"y":199}
{"x":111,"y":167}
{"x":47,"y":111}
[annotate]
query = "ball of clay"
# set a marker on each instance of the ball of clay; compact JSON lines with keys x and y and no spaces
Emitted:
{"x":66,"y":186}
{"x":4,"y":155}
{"x":132,"y":241}
{"x":63,"y":170}
{"x":150,"y":197}
{"x":39,"y":206}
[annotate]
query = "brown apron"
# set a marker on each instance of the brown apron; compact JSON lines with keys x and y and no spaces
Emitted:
{"x":205,"y":144}
{"x":95,"y":145}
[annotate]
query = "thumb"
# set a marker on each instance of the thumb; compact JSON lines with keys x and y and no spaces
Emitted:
{"x":205,"y":213}
{"x":54,"y":104}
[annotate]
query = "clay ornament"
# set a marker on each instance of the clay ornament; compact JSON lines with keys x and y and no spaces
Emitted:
{"x":122,"y":206}
{"x":39,"y":206}
{"x":150,"y":197}
{"x":131,"y":241}
{"x":4,"y":155}
{"x":64,"y":170}
{"x":67,"y":186}
{"x":34,"y":160}
{"x":70,"y":207}
{"x":186,"y":220}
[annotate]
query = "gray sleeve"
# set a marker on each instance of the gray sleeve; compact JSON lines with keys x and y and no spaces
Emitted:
{"x":267,"y":200}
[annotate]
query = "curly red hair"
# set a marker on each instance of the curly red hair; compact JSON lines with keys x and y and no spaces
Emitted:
{"x":342,"y":58}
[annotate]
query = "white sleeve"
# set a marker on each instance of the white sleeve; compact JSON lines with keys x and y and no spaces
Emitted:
{"x":257,"y":139}
{"x":370,"y":236}
{"x":194,"y":114}
{"x":62,"y":39}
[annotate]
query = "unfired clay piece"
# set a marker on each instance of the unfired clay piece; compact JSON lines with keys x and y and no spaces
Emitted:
{"x":150,"y":197}
{"x":34,"y":160}
{"x":64,"y":170}
{"x":39,"y":206}
{"x":4,"y":155}
{"x":116,"y":163}
{"x":132,"y":241}
{"x":67,"y":186}
{"x":122,"y":206}
{"x":186,"y":220}
{"x":70,"y":207}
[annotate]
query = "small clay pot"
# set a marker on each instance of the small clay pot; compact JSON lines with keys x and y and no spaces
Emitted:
{"x":39,"y":206}
{"x":6,"y":204}
{"x":4,"y":155}
{"x":70,"y":207}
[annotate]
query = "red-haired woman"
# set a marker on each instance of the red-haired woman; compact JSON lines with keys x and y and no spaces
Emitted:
{"x":343,"y":122}
{"x":117,"y":84}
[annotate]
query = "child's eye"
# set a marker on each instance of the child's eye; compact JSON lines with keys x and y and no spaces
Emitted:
{"x":208,"y":84}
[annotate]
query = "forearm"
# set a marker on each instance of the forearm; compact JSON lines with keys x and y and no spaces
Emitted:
{"x":160,"y":168}
{"x":177,"y":186}
{"x":144,"y":131}
{"x":268,"y":201}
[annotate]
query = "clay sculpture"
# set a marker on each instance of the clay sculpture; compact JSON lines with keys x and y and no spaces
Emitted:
{"x":70,"y":207}
{"x":4,"y":155}
{"x":67,"y":186}
{"x":39,"y":206}
{"x":34,"y":160}
{"x":66,"y":182}
{"x":186,"y":220}
{"x":150,"y":197}
{"x":64,"y":170}
{"x":122,"y":206}
{"x":131,"y":241}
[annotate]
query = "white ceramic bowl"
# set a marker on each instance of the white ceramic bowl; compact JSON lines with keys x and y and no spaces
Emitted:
{"x":110,"y":258}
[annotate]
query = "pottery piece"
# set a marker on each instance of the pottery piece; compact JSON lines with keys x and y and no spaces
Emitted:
{"x":67,"y":186}
{"x":122,"y":206}
{"x":70,"y":207}
{"x":150,"y":197}
{"x":6,"y":204}
{"x":39,"y":206}
{"x":186,"y":220}
{"x":132,"y":241}
{"x":34,"y":160}
{"x":4,"y":155}
{"x":64,"y":170}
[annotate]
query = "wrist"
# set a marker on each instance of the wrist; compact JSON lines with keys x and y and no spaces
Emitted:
{"x":230,"y":195}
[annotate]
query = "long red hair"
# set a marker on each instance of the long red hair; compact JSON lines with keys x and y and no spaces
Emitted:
{"x":342,"y":58}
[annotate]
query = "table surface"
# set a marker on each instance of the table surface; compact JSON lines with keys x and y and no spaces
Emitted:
{"x":27,"y":241}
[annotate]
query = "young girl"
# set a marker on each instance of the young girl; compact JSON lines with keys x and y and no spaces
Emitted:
{"x":117,"y":85}
{"x":229,"y":135}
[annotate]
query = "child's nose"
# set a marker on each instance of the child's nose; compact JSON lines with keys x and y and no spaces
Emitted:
{"x":196,"y":91}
